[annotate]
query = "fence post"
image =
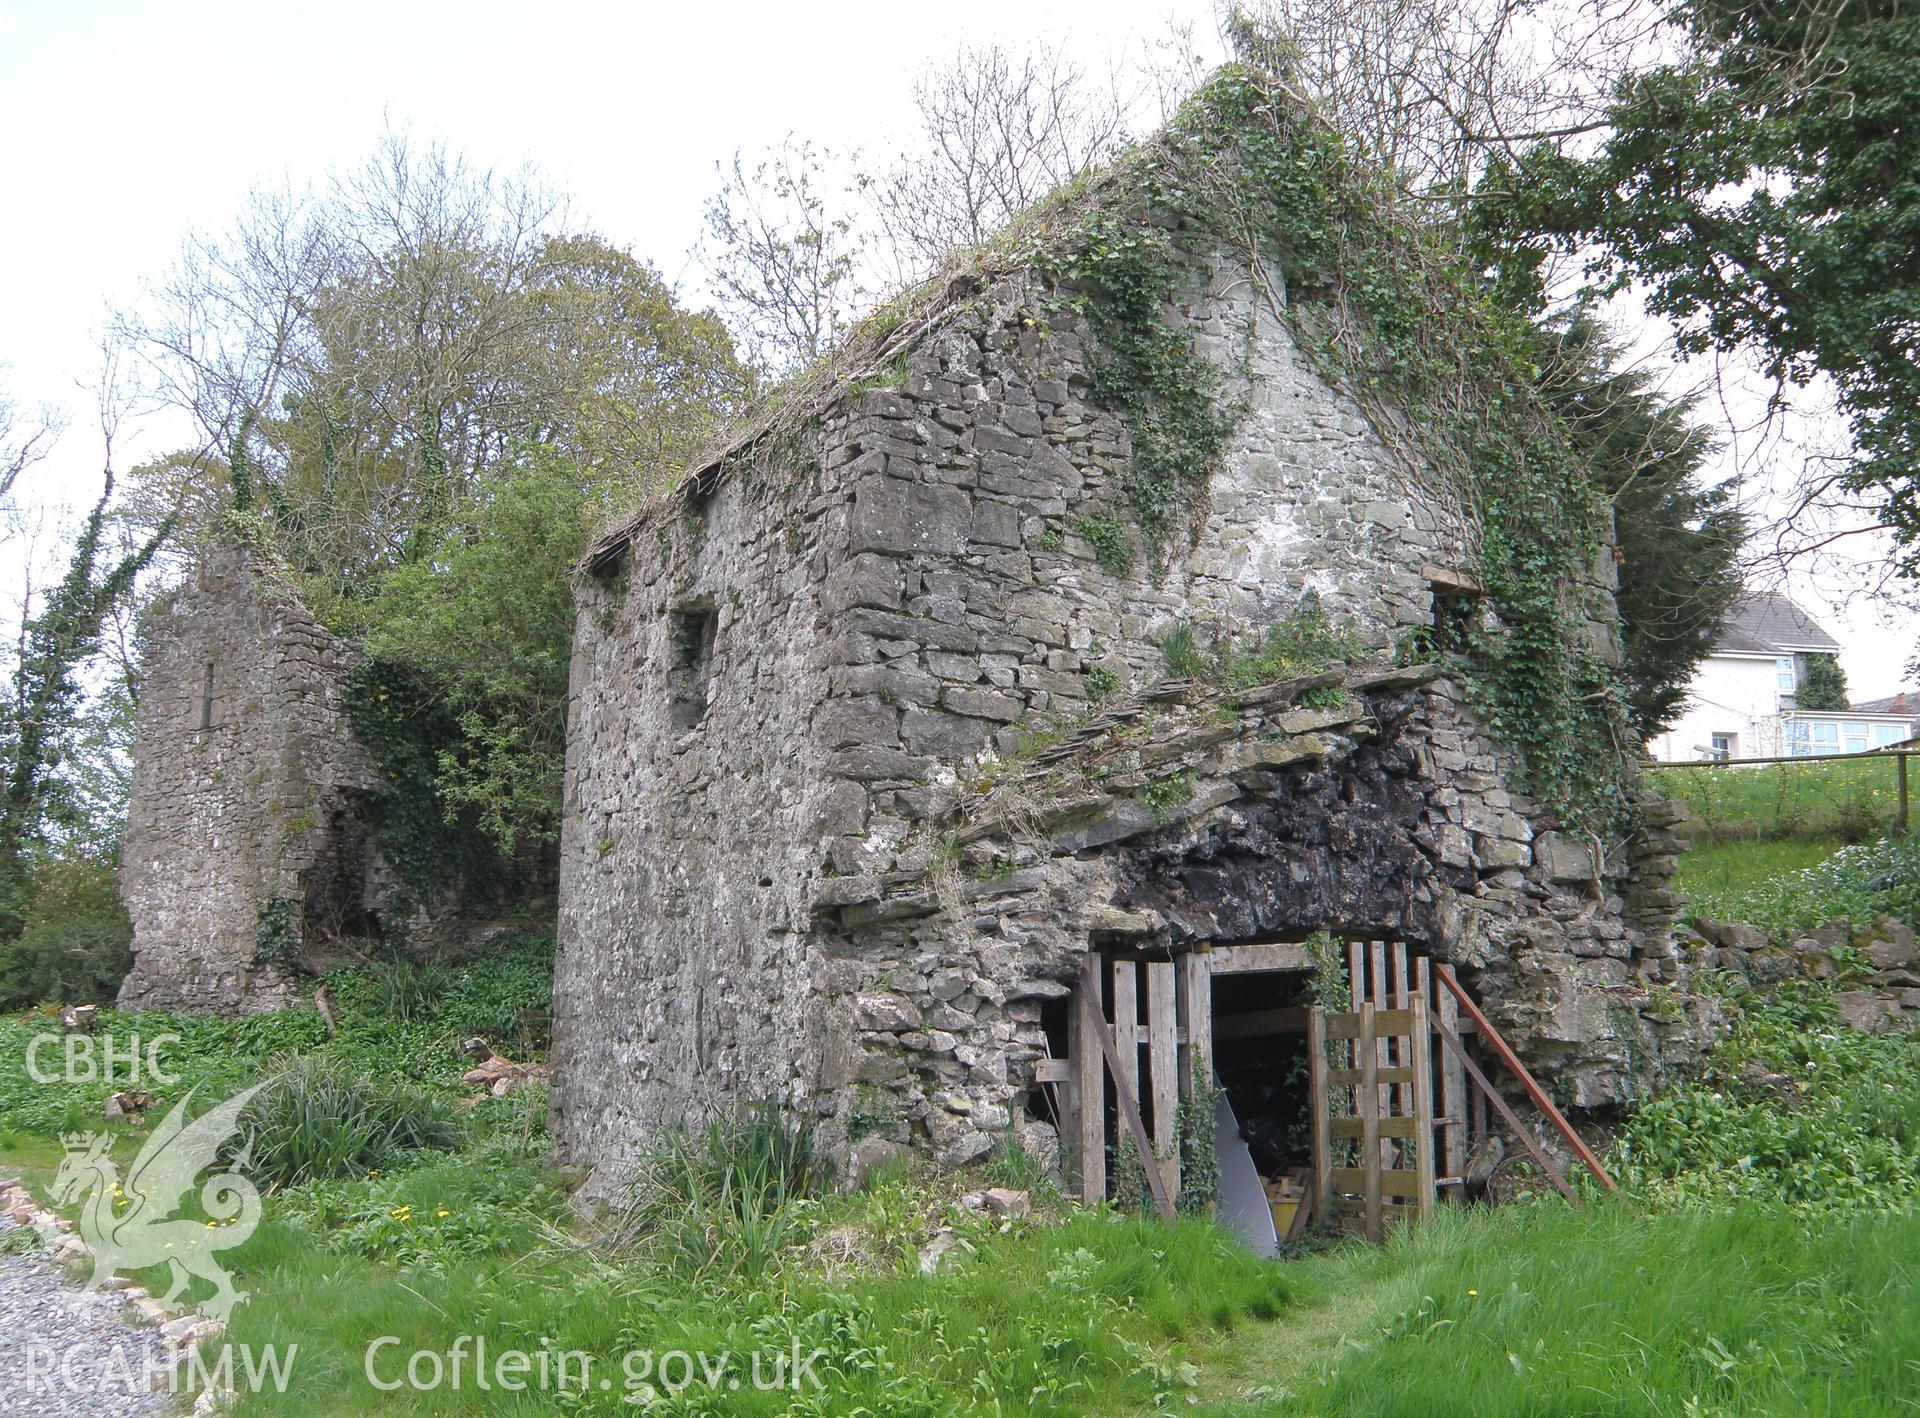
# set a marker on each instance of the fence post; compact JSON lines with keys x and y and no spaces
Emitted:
{"x":1903,"y":757}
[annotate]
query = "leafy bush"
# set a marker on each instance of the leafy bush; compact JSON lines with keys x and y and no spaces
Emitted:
{"x":319,"y":1118}
{"x":75,"y":945}
{"x":1795,"y":1108}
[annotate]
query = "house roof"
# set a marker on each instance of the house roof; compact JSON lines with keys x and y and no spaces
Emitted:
{"x":1769,"y":623}
{"x":1901,"y":703}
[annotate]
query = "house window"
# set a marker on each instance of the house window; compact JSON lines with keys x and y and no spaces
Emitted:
{"x":1724,"y":746}
{"x":1799,"y":742}
{"x":1885,"y":734}
{"x":1783,"y":668}
{"x":1855,"y":736}
{"x":1826,"y":736}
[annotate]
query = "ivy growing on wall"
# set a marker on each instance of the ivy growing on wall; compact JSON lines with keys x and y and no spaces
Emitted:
{"x":436,"y":848}
{"x":1390,"y":313}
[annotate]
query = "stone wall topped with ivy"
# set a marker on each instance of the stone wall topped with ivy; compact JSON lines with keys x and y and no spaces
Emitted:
{"x":1093,"y":578}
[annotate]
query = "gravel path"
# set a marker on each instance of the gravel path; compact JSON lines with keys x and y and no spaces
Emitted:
{"x":66,"y":1351}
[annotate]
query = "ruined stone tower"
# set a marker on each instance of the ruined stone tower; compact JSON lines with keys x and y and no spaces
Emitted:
{"x":245,"y":845}
{"x":875,"y":740}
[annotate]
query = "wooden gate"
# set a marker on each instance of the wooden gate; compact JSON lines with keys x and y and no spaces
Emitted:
{"x":1372,"y":1117}
{"x":1396,"y":1096}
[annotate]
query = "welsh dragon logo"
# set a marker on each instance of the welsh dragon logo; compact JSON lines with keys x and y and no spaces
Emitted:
{"x":132,"y":1226}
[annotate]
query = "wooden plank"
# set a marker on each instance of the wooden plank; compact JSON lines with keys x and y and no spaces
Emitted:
{"x":1124,"y":1015}
{"x":1052,"y":1071}
{"x":1533,"y":1089}
{"x":1245,"y":959}
{"x":1519,"y":1129}
{"x":1089,"y":1091}
{"x":1090,"y":987}
{"x":1164,"y":1069}
{"x":1389,"y":1127}
{"x":1403,"y":1044}
{"x":1391,"y":1181}
{"x":1260,"y":1024}
{"x":1197,"y":1057}
{"x":1453,"y":1080}
{"x":1345,"y":1026}
{"x":1380,"y":995}
{"x":1356,"y":974}
{"x":1348,"y":1077}
{"x":1370,"y":1119}
{"x":1422,"y":1088}
{"x":1319,"y":1102}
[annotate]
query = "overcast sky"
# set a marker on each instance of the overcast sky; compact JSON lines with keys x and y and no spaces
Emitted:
{"x":126,"y":123}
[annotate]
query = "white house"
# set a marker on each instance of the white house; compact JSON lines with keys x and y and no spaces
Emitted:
{"x":1741,"y":702}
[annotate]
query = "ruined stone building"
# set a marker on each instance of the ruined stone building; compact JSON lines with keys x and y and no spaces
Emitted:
{"x":245,"y":846}
{"x":875,"y":743}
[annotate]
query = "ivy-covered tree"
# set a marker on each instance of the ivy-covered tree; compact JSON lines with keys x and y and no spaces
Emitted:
{"x":1677,"y":536}
{"x":39,"y":720}
{"x":1823,"y":684}
{"x":1764,"y":189}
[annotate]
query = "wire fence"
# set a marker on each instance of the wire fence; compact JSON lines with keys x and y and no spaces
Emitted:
{"x":1853,"y":797}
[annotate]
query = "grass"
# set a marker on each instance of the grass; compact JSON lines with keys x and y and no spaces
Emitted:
{"x":1722,"y":877}
{"x":1851,"y":800}
{"x":1788,"y":888}
{"x":1767,"y":1263}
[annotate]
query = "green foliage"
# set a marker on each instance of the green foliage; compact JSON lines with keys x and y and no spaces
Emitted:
{"x":1125,"y":270}
{"x":1111,"y":542}
{"x":277,"y":935}
{"x":1814,"y":797}
{"x":436,"y":847}
{"x":481,"y":619}
{"x":1166,"y":796}
{"x":42,"y":717}
{"x":1795,"y":1109}
{"x":1720,"y":879}
{"x":319,"y":1118}
{"x":1823,"y":685}
{"x":1760,"y":188}
{"x":724,"y":1198}
{"x":1856,"y":884}
{"x":75,"y":944}
{"x":1304,"y":642}
{"x":1383,"y":301}
{"x":1676,"y":538}
{"x":1194,"y":1129}
{"x":1103,"y":682}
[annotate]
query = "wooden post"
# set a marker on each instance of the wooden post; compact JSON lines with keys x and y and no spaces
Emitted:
{"x":1129,"y":1106}
{"x":1164,"y":1078}
{"x":1197,"y":1062}
{"x":1382,"y":999}
{"x":1321,"y":1102}
{"x":1398,"y":974}
{"x":1534,"y":1092}
{"x":1518,"y":1128}
{"x":1903,"y":790}
{"x":1453,"y":1080}
{"x":1422,"y":1111}
{"x":1126,"y":1020}
{"x":1089,"y":1085}
{"x":1370,"y":1120}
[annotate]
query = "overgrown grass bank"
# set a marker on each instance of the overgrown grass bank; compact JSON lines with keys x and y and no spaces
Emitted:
{"x":1853,"y":800}
{"x":1767,"y":1263}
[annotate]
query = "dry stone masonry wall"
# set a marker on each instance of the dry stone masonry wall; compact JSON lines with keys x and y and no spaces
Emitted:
{"x":244,"y":843}
{"x":812,"y":853}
